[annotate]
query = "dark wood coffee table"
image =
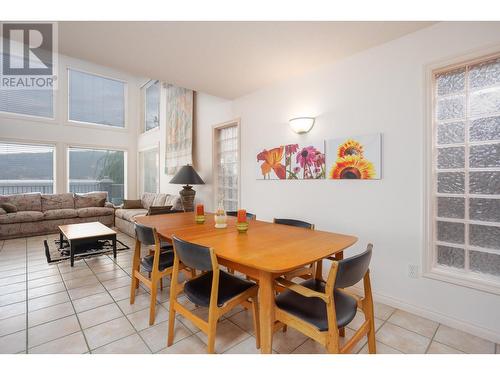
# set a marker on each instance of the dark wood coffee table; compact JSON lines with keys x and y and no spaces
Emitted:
{"x":83,"y":233}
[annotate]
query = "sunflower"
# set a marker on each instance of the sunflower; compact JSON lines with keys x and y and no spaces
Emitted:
{"x":352,"y":167}
{"x":350,"y":147}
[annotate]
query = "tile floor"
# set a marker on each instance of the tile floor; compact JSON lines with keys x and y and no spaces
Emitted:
{"x":58,"y":309}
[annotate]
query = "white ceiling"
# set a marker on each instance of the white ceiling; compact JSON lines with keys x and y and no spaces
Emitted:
{"x":226,"y":59}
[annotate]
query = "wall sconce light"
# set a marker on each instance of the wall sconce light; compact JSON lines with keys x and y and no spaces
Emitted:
{"x":301,"y":125}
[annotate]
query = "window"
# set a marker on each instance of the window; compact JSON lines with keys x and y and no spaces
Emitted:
{"x":96,"y":100}
{"x":26,"y":168}
{"x":149,"y":170}
{"x":466,"y":171}
{"x":97,"y":170}
{"x":151,"y":105}
{"x":227,"y":165}
{"x":39,"y":102}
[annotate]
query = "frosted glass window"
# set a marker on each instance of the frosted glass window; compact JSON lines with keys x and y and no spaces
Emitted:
{"x":451,"y":108}
{"x":485,"y":129}
{"x":151,"y":105}
{"x":449,"y":133}
{"x":226,"y":149}
{"x":26,"y":168}
{"x":451,"y":256}
{"x":96,"y":100}
{"x":450,"y":207}
{"x":484,"y":209}
{"x":466,"y":169}
{"x":487,"y":263}
{"x":450,"y":232}
{"x":451,"y":157}
{"x":451,"y":182}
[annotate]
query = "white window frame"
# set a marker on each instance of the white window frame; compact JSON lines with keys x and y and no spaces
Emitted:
{"x":143,"y":106}
{"x":95,"y":124}
{"x":141,"y":170}
{"x":429,"y":261}
{"x":39,"y":143}
{"x":215,"y":163}
{"x":104,"y":148}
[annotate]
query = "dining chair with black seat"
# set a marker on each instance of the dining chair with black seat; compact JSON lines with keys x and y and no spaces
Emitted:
{"x":235,"y":213}
{"x":164,"y":245}
{"x":319,"y":309}
{"x":214,"y":288}
{"x":309,"y":270}
{"x":157,"y":265}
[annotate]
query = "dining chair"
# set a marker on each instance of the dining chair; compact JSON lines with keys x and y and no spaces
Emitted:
{"x":214,"y":288}
{"x":235,"y":213}
{"x":319,"y":309}
{"x":157,"y":265}
{"x":304,"y":272}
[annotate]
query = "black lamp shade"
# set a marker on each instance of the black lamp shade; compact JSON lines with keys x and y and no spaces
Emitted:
{"x":187,"y":176}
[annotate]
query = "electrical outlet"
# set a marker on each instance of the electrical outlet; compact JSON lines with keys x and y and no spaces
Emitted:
{"x":413,"y":271}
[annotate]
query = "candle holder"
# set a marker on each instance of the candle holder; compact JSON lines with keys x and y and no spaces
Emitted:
{"x":200,"y":214}
{"x":242,"y":227}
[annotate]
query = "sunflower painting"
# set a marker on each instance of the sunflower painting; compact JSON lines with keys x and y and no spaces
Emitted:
{"x":354,"y":157}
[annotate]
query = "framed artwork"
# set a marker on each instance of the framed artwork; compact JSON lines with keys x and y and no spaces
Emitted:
{"x":292,"y":162}
{"x":356,"y":157}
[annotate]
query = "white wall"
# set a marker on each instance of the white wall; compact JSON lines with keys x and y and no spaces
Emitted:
{"x":209,"y":111}
{"x":63,"y":133}
{"x":378,"y":90}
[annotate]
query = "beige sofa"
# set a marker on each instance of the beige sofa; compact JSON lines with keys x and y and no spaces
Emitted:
{"x":125,"y":218}
{"x":39,"y":214}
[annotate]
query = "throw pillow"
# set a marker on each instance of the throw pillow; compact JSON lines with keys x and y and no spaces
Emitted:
{"x":132,"y":203}
{"x":9,"y":207}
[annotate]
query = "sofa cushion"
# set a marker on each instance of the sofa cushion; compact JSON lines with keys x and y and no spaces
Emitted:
{"x":93,"y":199}
{"x":132,"y":204}
{"x":94,"y":211}
{"x":24,"y":202}
{"x":148,"y":199}
{"x":159,"y":200}
{"x":57,"y":201}
{"x":21,"y":217}
{"x":174,"y":201}
{"x":129,"y":214}
{"x":8,"y":207}
{"x":2,"y":211}
{"x":63,"y":213}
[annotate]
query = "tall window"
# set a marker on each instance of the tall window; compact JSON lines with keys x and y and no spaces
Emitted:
{"x":466,"y":170}
{"x":151,"y":105}
{"x":26,"y":168}
{"x":97,"y":170}
{"x":149,"y":170}
{"x":227,"y":165}
{"x":96,"y":100}
{"x":39,"y":102}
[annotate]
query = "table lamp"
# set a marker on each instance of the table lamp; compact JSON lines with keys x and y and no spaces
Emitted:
{"x":187,"y":176}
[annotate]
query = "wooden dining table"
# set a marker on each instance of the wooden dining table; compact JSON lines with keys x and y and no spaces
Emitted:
{"x":265,"y":252}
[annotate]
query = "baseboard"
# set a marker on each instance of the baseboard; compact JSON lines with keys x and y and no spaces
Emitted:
{"x":485,"y":333}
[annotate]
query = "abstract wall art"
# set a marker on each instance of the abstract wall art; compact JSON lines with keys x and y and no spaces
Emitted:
{"x":356,"y":157}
